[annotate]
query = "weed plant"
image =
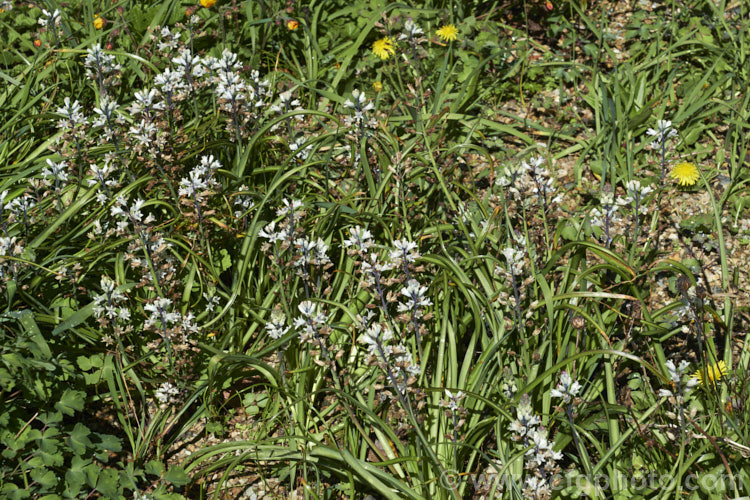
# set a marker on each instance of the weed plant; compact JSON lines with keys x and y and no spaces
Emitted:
{"x":374,"y":250}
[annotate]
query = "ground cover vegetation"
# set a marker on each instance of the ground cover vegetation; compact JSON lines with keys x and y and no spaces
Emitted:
{"x":374,"y":250}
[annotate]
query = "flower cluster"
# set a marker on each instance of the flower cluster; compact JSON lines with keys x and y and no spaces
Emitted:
{"x":636,"y":196}
{"x":277,"y":325}
{"x":606,"y":216}
{"x":308,"y":256}
{"x":360,"y":106}
{"x":676,"y":396}
{"x":392,"y":358}
{"x":239,"y":98}
{"x":529,"y":180}
{"x":49,"y":19}
{"x":513,"y":277}
{"x":286,"y":104}
{"x":312,"y":325}
{"x":412,"y":33}
{"x":72,"y":117}
{"x":19,"y":208}
{"x":175,"y":329}
{"x":540,"y":459}
{"x":167,"y":395}
{"x":243,"y":204}
{"x":199,"y":184}
{"x":376,"y":273}
{"x":455,"y":411}
{"x":109,"y":308}
{"x":662,"y":132}
{"x":147,"y":251}
{"x":515,"y":259}
{"x":10,"y":246}
{"x":567,"y":389}
{"x":101,"y":67}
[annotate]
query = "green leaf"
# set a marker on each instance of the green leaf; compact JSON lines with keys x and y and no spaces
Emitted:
{"x":12,"y":492}
{"x":155,"y":468}
{"x":79,"y":439}
{"x":84,"y":363}
{"x":108,"y":483}
{"x":108,"y":442}
{"x":76,"y":476}
{"x":45,"y":477}
{"x":226,"y":260}
{"x":71,"y":402}
{"x":42,"y":351}
{"x":75,"y":319}
{"x":177,"y":476}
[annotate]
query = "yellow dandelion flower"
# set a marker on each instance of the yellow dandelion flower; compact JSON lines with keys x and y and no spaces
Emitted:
{"x":383,"y":48}
{"x":685,"y":173}
{"x":377,"y":86}
{"x":208,"y":3}
{"x":98,"y":22}
{"x":447,"y":33}
{"x":713,"y":373}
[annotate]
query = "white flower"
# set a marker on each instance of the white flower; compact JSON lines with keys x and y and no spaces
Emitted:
{"x":567,"y":389}
{"x":411,"y":31}
{"x":56,"y":170}
{"x":306,"y":308}
{"x":10,"y":246}
{"x":416,"y":295}
{"x":269,"y":232}
{"x":167,"y":393}
{"x":168,"y":41}
{"x":663,"y":131}
{"x":514,"y":258}
{"x":72,"y":114}
{"x":360,"y":238}
{"x":106,"y":109}
{"x":188,"y":62}
{"x":675,"y":373}
{"x":277,"y":326}
{"x":158,"y":310}
{"x":404,"y":251}
{"x":289,"y":207}
{"x":145,"y":101}
{"x":376,"y":337}
{"x":454,"y":399}
{"x":49,"y":19}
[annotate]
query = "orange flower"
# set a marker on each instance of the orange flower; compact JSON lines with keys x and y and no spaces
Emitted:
{"x":37,"y":43}
{"x":292,"y":25}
